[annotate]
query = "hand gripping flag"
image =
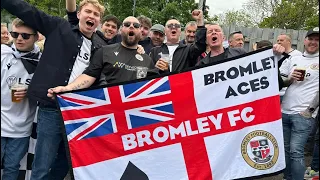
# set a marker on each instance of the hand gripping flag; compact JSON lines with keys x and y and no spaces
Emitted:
{"x":220,"y":122}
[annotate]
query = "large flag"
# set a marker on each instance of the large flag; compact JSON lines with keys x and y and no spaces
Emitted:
{"x":220,"y":122}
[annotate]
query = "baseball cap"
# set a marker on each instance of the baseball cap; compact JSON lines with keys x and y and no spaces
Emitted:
{"x":158,"y":28}
{"x":313,"y":31}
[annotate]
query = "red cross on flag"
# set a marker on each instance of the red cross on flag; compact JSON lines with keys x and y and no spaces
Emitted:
{"x":201,"y":124}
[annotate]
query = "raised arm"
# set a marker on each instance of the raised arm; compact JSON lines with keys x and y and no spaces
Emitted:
{"x":71,"y":7}
{"x":35,"y":18}
{"x":200,"y":44}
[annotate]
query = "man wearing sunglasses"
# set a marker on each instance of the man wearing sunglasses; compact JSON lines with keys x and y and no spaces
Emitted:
{"x":18,"y":63}
{"x":66,"y":54}
{"x":181,"y":56}
{"x":116,"y":63}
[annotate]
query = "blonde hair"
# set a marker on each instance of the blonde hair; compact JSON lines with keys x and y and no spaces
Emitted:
{"x":3,"y":26}
{"x":18,"y":23}
{"x":95,"y":3}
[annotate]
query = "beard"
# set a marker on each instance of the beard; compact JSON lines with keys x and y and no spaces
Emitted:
{"x":130,"y":42}
{"x":190,"y":39}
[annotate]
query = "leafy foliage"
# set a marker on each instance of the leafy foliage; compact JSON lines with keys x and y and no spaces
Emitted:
{"x":235,"y":17}
{"x":294,"y":14}
{"x":158,"y":10}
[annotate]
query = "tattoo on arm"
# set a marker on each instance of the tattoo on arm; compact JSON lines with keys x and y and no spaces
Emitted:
{"x":80,"y":85}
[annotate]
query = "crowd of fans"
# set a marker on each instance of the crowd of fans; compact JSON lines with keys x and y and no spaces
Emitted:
{"x":60,"y":54}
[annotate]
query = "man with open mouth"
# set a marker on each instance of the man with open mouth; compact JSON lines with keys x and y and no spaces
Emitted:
{"x":116,"y":63}
{"x":215,"y":38}
{"x":181,"y":56}
{"x":65,"y":56}
{"x":109,"y":26}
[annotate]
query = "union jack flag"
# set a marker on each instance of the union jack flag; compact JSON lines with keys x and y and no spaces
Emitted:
{"x":80,"y":125}
{"x":172,"y":127}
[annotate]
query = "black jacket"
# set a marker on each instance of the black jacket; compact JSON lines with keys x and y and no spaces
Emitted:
{"x":146,"y":44}
{"x":98,"y":37}
{"x":229,"y":53}
{"x":185,"y":56}
{"x":63,"y":43}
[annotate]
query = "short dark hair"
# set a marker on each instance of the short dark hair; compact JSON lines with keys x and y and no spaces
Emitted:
{"x":263,"y":43}
{"x":174,"y":18}
{"x":145,"y":21}
{"x":231,"y":35}
{"x":112,"y":18}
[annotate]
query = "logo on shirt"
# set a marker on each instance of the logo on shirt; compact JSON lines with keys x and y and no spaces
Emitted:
{"x":11,"y":80}
{"x":116,"y":53}
{"x":139,"y":57}
{"x":314,"y":66}
{"x":9,"y":65}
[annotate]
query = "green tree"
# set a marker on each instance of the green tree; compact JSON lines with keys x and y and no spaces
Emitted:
{"x":158,"y":10}
{"x":235,"y":17}
{"x":52,"y":7}
{"x":5,"y":16}
{"x":293,"y":14}
{"x":259,"y":9}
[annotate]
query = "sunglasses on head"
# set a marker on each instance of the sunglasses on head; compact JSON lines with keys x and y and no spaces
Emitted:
{"x":128,"y":24}
{"x":174,"y":26}
{"x":23,"y":35}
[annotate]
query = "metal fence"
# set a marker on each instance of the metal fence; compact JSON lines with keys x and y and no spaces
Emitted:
{"x":255,"y":34}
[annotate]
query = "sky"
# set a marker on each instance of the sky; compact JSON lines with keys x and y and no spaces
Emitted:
{"x":222,"y":6}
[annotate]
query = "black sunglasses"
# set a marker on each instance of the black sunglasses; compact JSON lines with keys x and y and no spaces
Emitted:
{"x":128,"y":24}
{"x":23,"y":35}
{"x":174,"y":26}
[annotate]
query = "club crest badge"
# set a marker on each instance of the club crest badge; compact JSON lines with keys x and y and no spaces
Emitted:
{"x":141,"y":72}
{"x":260,"y":150}
{"x":139,"y":57}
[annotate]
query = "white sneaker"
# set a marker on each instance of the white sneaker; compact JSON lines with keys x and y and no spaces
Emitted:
{"x":310,"y":173}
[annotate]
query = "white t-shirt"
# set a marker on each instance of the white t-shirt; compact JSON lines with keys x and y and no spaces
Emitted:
{"x":82,"y":61}
{"x":16,"y":118}
{"x":172,"y":49}
{"x":292,"y":53}
{"x":300,"y":94}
